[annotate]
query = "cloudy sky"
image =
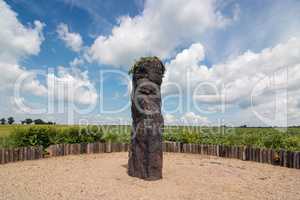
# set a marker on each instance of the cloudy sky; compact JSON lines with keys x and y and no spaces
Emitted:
{"x":228,"y":62}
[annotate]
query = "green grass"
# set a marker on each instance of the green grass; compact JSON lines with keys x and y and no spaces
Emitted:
{"x":5,"y":130}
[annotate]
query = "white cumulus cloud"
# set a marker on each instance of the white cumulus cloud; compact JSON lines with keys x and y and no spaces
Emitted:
{"x":76,"y":62}
{"x":188,"y":118}
{"x":250,"y":79}
{"x":158,"y":30}
{"x":18,"y":42}
{"x":72,"y":40}
{"x":71,"y":85}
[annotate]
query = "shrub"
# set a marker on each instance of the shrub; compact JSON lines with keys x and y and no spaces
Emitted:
{"x":35,"y":135}
{"x":32,"y":136}
{"x":291,"y":143}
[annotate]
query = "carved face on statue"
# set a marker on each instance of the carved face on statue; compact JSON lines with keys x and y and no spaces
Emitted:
{"x":147,"y":80}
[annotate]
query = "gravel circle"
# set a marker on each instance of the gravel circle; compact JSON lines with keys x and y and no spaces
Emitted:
{"x":186,"y":176}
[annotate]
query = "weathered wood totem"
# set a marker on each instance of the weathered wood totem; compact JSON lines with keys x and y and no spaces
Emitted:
{"x":145,"y":155}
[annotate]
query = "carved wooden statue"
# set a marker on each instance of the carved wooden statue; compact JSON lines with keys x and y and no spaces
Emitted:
{"x":145,"y":155}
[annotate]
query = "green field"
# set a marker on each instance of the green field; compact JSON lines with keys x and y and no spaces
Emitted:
{"x":5,"y":130}
{"x":45,"y":135}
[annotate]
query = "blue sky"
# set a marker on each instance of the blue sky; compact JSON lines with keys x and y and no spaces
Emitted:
{"x":232,"y":62}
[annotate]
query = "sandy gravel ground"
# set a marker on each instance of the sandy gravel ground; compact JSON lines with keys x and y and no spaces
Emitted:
{"x":186,"y":176}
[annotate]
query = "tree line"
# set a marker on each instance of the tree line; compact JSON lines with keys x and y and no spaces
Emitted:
{"x":11,"y":120}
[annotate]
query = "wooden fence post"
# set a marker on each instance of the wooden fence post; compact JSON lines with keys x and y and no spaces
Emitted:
{"x":41,"y":152}
{"x":58,"y":150}
{"x":101,"y":148}
{"x":178,"y":147}
{"x":1,"y":156}
{"x":108,"y":147}
{"x":226,"y":151}
{"x":35,"y":153}
{"x":209,"y":149}
{"x":11,"y":155}
{"x":190,"y":148}
{"x":72,"y":149}
{"x":174,"y":147}
{"x":165,"y":147}
{"x":88,"y":148}
{"x":244,"y":156}
{"x":26,"y":153}
{"x":263,"y":155}
{"x":113,"y":147}
{"x":185,"y":148}
{"x":32,"y":153}
{"x":96,"y":147}
{"x":68,"y":149}
{"x":16,"y":154}
{"x":290,"y":157}
{"x":285,"y":159}
{"x":298,"y":160}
